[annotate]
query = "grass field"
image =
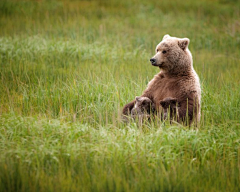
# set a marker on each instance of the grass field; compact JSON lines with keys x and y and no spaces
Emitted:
{"x":68,"y":67}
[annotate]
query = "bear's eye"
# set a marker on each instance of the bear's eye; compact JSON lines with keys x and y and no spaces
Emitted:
{"x":164,"y":52}
{"x":157,"y":50}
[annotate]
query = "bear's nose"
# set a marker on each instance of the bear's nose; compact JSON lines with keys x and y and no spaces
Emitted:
{"x":153,"y":61}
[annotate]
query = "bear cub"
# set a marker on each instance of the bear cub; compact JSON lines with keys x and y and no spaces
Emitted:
{"x":142,"y":109}
{"x":170,"y":108}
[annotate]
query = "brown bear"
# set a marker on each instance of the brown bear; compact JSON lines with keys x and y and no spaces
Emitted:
{"x":177,"y":79}
{"x":143,"y":108}
{"x":170,"y":109}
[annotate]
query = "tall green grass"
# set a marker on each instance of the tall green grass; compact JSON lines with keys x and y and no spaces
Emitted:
{"x":68,"y":67}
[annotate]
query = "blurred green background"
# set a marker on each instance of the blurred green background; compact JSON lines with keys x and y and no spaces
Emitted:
{"x":68,"y":67}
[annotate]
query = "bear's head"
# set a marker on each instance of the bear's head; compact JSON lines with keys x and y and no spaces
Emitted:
{"x":143,"y":106}
{"x":172,"y":55}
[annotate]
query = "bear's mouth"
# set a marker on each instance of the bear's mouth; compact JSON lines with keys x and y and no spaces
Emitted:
{"x":153,"y":64}
{"x":158,"y":65}
{"x":161,"y":64}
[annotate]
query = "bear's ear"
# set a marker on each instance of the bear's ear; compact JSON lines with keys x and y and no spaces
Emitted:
{"x":138,"y":98}
{"x":166,"y":36}
{"x":183,"y":43}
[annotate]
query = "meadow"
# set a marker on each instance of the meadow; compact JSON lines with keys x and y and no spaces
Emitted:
{"x":68,"y":67}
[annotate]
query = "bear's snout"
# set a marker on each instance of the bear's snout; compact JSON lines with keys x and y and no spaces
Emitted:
{"x":153,"y":61}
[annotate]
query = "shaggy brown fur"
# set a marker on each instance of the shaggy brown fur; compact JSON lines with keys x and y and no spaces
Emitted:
{"x":143,"y":108}
{"x":170,"y":108}
{"x":177,"y":79}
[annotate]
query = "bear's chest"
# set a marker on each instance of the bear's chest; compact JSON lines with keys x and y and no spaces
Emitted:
{"x":161,"y":87}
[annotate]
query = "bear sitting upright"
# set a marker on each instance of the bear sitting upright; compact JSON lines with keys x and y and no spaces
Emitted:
{"x":177,"y":79}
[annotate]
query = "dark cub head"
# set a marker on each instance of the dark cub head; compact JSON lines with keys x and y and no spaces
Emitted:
{"x":143,"y":105}
{"x":170,"y":107}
